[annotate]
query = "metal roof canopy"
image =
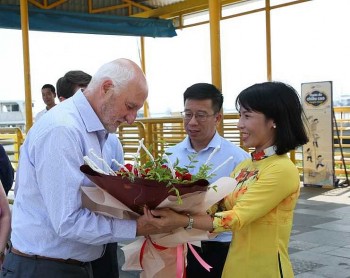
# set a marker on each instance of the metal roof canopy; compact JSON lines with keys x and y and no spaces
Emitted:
{"x":73,"y":22}
{"x":94,"y":17}
{"x":165,"y":9}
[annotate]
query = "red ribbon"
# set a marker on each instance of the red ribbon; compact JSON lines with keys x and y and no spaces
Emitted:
{"x":142,"y":251}
{"x":180,"y":258}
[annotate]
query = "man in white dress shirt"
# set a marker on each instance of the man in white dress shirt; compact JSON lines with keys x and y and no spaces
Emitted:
{"x":48,"y":94}
{"x":52,"y":234}
{"x":67,"y":86}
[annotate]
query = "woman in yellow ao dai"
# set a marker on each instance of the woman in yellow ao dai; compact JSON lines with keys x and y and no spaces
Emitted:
{"x":260,"y":209}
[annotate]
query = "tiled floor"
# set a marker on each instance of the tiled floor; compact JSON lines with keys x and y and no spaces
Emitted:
{"x":320,"y":241}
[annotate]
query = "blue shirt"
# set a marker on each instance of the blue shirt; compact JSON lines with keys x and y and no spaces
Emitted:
{"x":47,"y":216}
{"x":226,"y":149}
{"x":182,"y":150}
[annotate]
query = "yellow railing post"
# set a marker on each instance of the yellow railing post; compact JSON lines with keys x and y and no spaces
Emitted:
{"x":12,"y":136}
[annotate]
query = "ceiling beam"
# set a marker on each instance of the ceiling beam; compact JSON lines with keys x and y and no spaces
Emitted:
{"x":181,"y":8}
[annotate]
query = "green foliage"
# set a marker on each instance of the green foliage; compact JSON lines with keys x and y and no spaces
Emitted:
{"x":160,"y":171}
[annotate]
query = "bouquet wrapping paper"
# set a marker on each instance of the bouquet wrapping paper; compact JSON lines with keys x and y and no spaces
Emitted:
{"x":161,"y":255}
{"x":139,"y":192}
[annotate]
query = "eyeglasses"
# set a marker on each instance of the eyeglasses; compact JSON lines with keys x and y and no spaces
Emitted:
{"x":200,"y":117}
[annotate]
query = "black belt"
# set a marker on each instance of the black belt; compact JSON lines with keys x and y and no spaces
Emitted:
{"x":67,"y":261}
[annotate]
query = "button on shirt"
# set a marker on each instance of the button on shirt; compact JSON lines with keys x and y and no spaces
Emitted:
{"x":182,"y":150}
{"x":47,"y":216}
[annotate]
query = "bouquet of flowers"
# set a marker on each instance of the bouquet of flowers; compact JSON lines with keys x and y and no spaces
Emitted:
{"x":157,"y":183}
{"x":137,"y":185}
{"x":137,"y":192}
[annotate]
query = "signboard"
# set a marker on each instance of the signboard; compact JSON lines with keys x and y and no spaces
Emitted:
{"x":318,"y":158}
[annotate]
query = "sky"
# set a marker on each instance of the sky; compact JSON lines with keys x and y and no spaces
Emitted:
{"x":310,"y":42}
{"x":52,"y":55}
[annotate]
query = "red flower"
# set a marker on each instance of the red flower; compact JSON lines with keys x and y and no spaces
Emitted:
{"x":178,"y":175}
{"x":187,"y":177}
{"x":242,"y":175}
{"x":128,"y":166}
{"x":159,"y":170}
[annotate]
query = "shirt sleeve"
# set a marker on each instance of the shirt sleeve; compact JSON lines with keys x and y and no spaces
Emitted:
{"x":273,"y":185}
{"x":57,"y":157}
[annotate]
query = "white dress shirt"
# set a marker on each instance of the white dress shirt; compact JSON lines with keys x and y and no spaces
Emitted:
{"x":40,"y":114}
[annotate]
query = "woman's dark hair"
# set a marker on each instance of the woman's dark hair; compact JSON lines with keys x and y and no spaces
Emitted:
{"x":281,"y":103}
{"x":66,"y":85}
{"x":200,"y":91}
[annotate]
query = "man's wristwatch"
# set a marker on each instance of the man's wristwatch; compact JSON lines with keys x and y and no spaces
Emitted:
{"x":190,"y":222}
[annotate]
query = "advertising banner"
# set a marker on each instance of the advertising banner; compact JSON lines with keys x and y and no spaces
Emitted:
{"x":318,"y":158}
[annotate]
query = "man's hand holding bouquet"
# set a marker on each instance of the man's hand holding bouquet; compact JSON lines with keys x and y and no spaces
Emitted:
{"x":156,"y":184}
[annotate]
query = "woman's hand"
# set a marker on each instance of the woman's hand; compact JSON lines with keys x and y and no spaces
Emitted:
{"x":166,"y":218}
{"x":157,"y":223}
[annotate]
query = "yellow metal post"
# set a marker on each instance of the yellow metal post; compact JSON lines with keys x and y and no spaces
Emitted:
{"x":143,"y":66}
{"x":214,"y":21}
{"x":268,"y":40}
{"x":26,"y":64}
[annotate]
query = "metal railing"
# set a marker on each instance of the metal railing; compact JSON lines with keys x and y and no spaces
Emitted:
{"x":12,"y":138}
{"x":341,"y":139}
{"x":161,"y":133}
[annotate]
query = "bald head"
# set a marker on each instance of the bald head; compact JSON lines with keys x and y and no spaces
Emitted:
{"x":116,"y":92}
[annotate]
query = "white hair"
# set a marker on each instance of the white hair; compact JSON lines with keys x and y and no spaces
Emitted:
{"x":120,"y":71}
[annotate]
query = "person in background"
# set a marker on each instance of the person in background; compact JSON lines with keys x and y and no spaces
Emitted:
{"x":52,"y":234}
{"x":202,"y":114}
{"x":71,"y":82}
{"x":67,"y":86}
{"x":260,"y":209}
{"x":7,"y":172}
{"x":5,"y":223}
{"x":48,"y":94}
